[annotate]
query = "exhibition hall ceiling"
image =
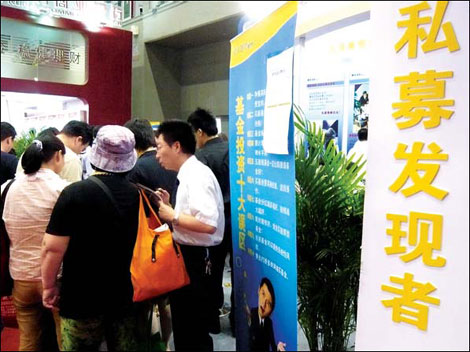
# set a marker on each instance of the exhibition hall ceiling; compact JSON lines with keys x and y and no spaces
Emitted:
{"x":223,"y":30}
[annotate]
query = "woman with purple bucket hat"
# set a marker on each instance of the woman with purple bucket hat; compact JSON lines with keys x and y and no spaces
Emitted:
{"x":92,"y":231}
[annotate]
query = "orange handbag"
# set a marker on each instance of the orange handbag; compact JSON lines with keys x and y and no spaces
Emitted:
{"x":157,"y":265}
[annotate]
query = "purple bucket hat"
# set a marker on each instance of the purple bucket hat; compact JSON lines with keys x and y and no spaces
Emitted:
{"x":113,"y":149}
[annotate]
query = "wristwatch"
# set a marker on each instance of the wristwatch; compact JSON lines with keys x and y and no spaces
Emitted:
{"x":176,"y":218}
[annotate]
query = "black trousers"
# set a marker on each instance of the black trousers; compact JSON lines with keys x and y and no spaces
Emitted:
{"x":218,"y":255}
{"x":190,"y":305}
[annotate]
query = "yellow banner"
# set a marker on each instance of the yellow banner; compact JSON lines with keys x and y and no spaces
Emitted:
{"x":247,"y":43}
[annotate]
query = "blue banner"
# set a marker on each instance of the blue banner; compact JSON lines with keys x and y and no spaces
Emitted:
{"x":262,"y":195}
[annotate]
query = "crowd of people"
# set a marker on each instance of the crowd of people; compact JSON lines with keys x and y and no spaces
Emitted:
{"x":70,"y":247}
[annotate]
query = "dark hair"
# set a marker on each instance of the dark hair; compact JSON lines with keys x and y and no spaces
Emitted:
{"x":40,"y":151}
{"x":269,"y":285}
{"x":49,"y":131}
{"x":178,"y":131}
{"x":79,"y":129}
{"x":7,"y":131}
{"x":96,"y":128}
{"x":143,"y":133}
{"x":204,"y":120}
{"x":362,"y":134}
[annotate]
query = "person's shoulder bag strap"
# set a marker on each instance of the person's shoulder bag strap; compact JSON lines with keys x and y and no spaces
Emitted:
{"x":107,"y":192}
{"x":5,"y":191}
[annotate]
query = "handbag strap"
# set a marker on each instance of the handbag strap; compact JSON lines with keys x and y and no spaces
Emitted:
{"x":4,"y":195}
{"x":5,"y":191}
{"x":107,"y":192}
{"x":145,"y":198}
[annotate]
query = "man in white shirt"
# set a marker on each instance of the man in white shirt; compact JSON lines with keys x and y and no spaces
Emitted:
{"x":198,"y":223}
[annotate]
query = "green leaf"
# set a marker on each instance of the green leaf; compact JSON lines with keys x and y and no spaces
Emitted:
{"x":329,"y":202}
{"x":24,"y":141}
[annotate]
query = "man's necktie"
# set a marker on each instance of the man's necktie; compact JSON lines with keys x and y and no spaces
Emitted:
{"x":173,"y":194}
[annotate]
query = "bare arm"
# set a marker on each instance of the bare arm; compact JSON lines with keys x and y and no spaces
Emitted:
{"x":52,"y":254}
{"x":189,"y":222}
{"x":185,"y":221}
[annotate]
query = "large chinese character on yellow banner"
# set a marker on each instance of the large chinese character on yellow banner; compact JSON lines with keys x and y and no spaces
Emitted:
{"x":406,"y":307}
{"x":241,"y":199}
{"x":422,"y":96}
{"x":415,"y":29}
{"x":422,"y":226}
{"x":240,"y":123}
{"x":421,"y":174}
{"x":240,"y":107}
{"x":240,"y":145}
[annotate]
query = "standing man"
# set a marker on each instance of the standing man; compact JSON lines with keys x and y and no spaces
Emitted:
{"x":148,"y":171}
{"x":9,"y":162}
{"x":198,"y":224}
{"x":213,"y":152}
{"x":76,"y":136}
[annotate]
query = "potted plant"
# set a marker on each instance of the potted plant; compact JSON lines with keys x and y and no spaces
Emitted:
{"x":329,"y":196}
{"x":23,"y":141}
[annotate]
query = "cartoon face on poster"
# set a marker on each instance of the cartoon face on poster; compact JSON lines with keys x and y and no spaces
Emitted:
{"x":260,"y":318}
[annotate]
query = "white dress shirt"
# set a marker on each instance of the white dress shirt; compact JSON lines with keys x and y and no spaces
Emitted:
{"x":199,"y":195}
{"x":27,"y":210}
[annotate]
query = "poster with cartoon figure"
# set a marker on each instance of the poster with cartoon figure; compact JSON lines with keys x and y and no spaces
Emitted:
{"x":262,"y":186}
